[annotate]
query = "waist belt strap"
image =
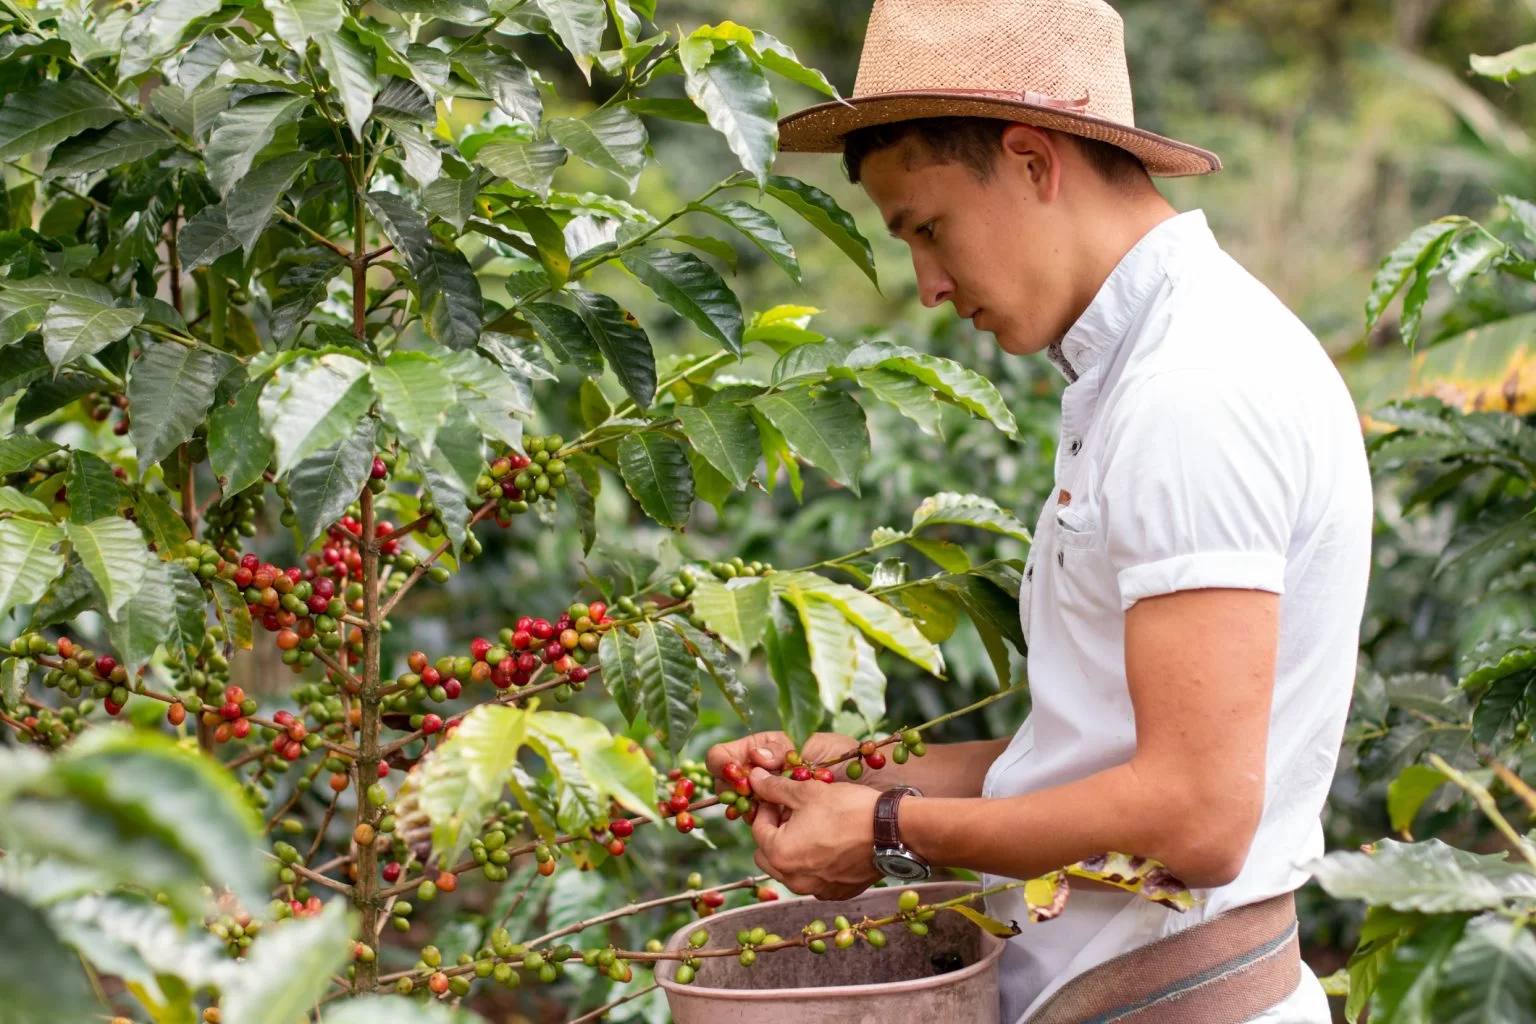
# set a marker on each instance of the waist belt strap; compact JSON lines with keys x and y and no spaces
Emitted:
{"x":1226,"y":971}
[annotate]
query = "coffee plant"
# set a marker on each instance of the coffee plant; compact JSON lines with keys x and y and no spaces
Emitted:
{"x":275,"y":335}
{"x":1446,"y":701}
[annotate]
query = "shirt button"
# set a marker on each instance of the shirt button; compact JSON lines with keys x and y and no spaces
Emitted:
{"x":1076,"y":446}
{"x":1061,"y":558}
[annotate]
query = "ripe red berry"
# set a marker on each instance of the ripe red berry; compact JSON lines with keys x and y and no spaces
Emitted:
{"x":766,"y":895}
{"x":684,"y":788}
{"x":453,"y":688}
{"x":392,"y":871}
{"x":242,"y":578}
{"x":521,"y":639}
{"x":596,"y":610}
{"x":383,"y":769}
{"x":447,"y":881}
{"x":541,"y":629}
{"x":733,"y":771}
{"x":876,"y":761}
{"x":524,"y":624}
{"x":824,"y":775}
{"x":176,"y":714}
{"x":685,"y":822}
{"x":229,"y":711}
{"x":249,"y":562}
{"x":431,"y":724}
{"x":430,"y":676}
{"x":287,"y":640}
{"x":379,"y":471}
{"x":112,"y":708}
{"x":242,"y":728}
{"x":105,"y":664}
{"x":564,"y":664}
{"x":616,"y":847}
{"x":479,"y":648}
{"x":527,"y":662}
{"x":293,"y":751}
{"x":713,"y":899}
{"x":283,"y":718}
{"x":438,"y":983}
{"x":622,"y":827}
{"x":677,"y":804}
{"x":800,"y":773}
{"x":579,"y":674}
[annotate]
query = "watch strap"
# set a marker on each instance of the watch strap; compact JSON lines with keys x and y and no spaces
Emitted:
{"x":887,"y":824}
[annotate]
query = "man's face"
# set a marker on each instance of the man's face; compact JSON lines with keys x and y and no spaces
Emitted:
{"x":990,"y":248}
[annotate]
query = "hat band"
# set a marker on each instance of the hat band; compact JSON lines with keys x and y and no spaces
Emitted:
{"x":1037,"y":99}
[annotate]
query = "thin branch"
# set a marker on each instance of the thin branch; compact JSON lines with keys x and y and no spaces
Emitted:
{"x":602,"y":1011}
{"x":311,"y":875}
{"x":325,"y":823}
{"x":639,"y":908}
{"x":426,"y":563}
{"x":339,"y":250}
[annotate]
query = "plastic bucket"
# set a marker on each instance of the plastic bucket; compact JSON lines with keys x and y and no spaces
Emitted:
{"x":948,"y":975}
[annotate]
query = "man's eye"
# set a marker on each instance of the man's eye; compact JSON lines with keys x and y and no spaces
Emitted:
{"x":927,"y":229}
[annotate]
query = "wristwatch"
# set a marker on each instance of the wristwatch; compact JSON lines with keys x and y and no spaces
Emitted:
{"x":892,"y":858}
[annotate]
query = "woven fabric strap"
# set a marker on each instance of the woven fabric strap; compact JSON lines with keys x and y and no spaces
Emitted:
{"x":1225,"y":971}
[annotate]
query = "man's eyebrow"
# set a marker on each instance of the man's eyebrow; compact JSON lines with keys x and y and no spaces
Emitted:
{"x":895,"y":224}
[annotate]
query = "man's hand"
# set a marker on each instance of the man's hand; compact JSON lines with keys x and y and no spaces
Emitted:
{"x":825,"y":848}
{"x":767,"y":750}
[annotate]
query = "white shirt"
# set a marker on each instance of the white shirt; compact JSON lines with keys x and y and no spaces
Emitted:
{"x":1206,"y":441}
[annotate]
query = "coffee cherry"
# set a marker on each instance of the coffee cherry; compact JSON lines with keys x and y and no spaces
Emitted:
{"x":391,"y":872}
{"x":844,"y":938}
{"x":699,"y":939}
{"x":623,"y":828}
{"x":713,"y":899}
{"x":431,"y":724}
{"x":684,"y":788}
{"x":908,"y":901}
{"x":616,"y":847}
{"x":824,"y":775}
{"x":766,"y":894}
{"x":875,"y":761}
{"x":917,"y":928}
{"x":875,"y":937}
{"x":685,"y":974}
{"x":866,"y":748}
{"x":685,"y":822}
{"x":427,"y":891}
{"x":747,"y":958}
{"x":816,"y":946}
{"x":919,"y":749}
{"x":447,"y":881}
{"x":547,"y":868}
{"x":800,"y":773}
{"x":900,"y":753}
{"x":854,"y":771}
{"x":911,"y":737}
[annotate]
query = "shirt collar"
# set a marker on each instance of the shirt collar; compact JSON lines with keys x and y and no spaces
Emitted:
{"x":1124,"y":293}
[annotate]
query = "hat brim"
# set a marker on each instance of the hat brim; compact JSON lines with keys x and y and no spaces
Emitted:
{"x":822,"y":128}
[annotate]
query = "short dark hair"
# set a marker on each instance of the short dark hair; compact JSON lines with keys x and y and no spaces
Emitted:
{"x":975,"y":143}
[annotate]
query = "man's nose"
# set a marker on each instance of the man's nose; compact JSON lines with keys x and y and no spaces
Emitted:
{"x":933,"y":284}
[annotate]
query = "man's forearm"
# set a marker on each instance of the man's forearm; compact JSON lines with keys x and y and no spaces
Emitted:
{"x":947,"y":770}
{"x":1116,"y":810}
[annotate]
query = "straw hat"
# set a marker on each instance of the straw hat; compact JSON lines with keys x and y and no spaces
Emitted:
{"x":1053,"y":63}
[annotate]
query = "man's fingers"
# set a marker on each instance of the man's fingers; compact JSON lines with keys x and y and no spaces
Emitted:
{"x":776,"y":789}
{"x":765,"y":825}
{"x":764,"y":749}
{"x":766,"y":867}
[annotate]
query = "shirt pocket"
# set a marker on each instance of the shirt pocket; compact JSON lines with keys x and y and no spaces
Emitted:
{"x":1085,"y":584}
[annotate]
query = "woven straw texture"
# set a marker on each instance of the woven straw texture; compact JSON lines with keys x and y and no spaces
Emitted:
{"x":1054,"y":63}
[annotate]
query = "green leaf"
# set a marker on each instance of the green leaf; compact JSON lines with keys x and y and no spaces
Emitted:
{"x":313,"y":403}
{"x":656,"y":472}
{"x":101,"y":149}
{"x":1410,"y":975}
{"x":789,"y":663}
{"x":880,"y":622}
{"x":736,"y":611}
{"x":77,"y":326}
{"x":244,"y":130}
{"x":1495,"y":659}
{"x":826,"y":430}
{"x":1407,"y":793}
{"x":613,"y":766}
{"x":726,"y":436}
{"x":718,"y":664}
{"x":935,"y":612}
{"x":113,"y":551}
{"x":586,"y":485}
{"x":667,"y":107}
{"x":776,"y":451}
{"x":907,"y":395}
{"x":49,"y":396}
{"x":238,"y":450}
{"x":623,"y":342}
{"x":249,"y":207}
{"x":550,"y":241}
{"x":145,"y":622}
{"x":490,"y":395}
{"x":28,"y":562}
{"x":621,"y":676}
{"x":830,"y":639}
{"x":1509,"y":65}
{"x":822,"y":212}
{"x":734,"y":94}
{"x":40,"y":979}
{"x":397,"y":1010}
{"x":323,"y":484}
{"x":566,"y":334}
{"x":692,"y":288}
{"x":966,"y":388}
{"x":13,"y":682}
{"x":232,"y":612}
{"x":995,"y":615}
{"x":452,"y":199}
{"x":1402,"y":261}
{"x":669,"y":683}
{"x":579,"y":24}
{"x":505,"y":79}
{"x":530,"y":165}
{"x":868,"y":687}
{"x":161,"y":523}
{"x":462,"y":779}
{"x":460,"y":454}
{"x":611,"y":139}
{"x":300,"y":289}
{"x":19,"y":452}
{"x":296,"y":22}
{"x":461,"y":12}
{"x":44,"y":116}
{"x":190,"y":622}
{"x":761,"y":228}
{"x":18,"y":504}
{"x":423,"y":160}
{"x":94,"y":492}
{"x":1430,"y":877}
{"x":1490,"y":975}
{"x":415,"y":392}
{"x":968,"y":510}
{"x":170,"y":387}
{"x":446,"y":286}
{"x":68,"y":596}
{"x":350,"y":66}
{"x":206,"y":237}
{"x":290,"y":969}
{"x":781,"y":60}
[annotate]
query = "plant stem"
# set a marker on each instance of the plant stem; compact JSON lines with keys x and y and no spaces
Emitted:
{"x":895,"y":737}
{"x":173,"y":259}
{"x":311,"y":875}
{"x":639,"y":908}
{"x":1489,"y":807}
{"x":365,"y":895}
{"x":426,"y":563}
{"x":602,"y":1011}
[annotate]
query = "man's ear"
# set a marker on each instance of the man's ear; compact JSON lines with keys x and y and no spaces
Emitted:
{"x":1034,"y":155}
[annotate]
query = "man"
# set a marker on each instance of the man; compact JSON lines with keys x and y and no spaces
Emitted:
{"x":1194,"y":591}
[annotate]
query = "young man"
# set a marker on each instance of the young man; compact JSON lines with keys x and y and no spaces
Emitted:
{"x":1194,"y":591}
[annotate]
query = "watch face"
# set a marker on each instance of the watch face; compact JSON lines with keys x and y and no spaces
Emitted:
{"x":899,"y":865}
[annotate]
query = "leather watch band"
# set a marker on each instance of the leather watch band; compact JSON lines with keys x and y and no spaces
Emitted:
{"x":887,"y":825}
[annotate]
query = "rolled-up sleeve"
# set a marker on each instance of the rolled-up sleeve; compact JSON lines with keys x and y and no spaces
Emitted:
{"x":1199,"y":491}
